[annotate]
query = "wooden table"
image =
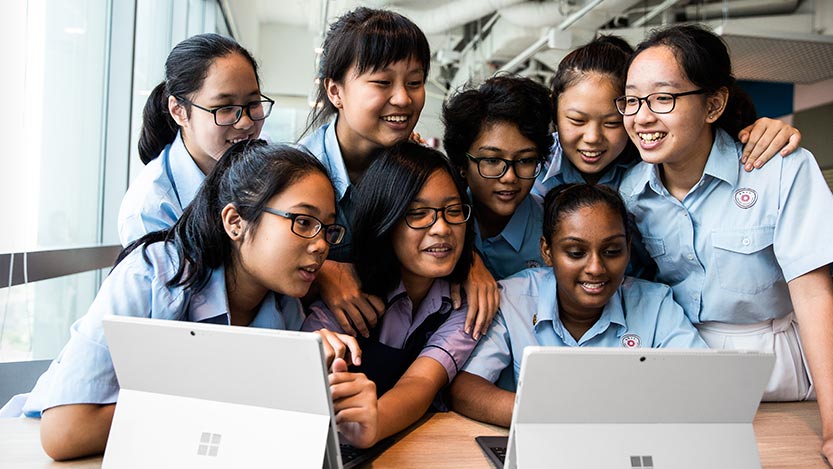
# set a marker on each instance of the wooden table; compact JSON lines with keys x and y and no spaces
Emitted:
{"x":788,"y":436}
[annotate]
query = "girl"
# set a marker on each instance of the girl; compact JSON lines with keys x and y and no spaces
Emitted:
{"x":497,"y":136}
{"x":724,"y":240}
{"x":591,"y":144}
{"x":372,"y":88}
{"x":241,"y":254}
{"x":411,"y":239}
{"x":210,"y":99}
{"x":583,"y":300}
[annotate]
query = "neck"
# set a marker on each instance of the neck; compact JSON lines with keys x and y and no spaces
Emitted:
{"x":490,"y":224}
{"x":244,"y":296}
{"x":356,"y":156}
{"x":204,"y":162}
{"x":679,"y":177}
{"x":577,"y":324}
{"x":417,"y":289}
{"x":592,"y":178}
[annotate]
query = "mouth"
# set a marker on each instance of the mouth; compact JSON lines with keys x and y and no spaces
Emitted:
{"x":439,"y":250}
{"x":651,"y":137}
{"x":308,"y":272}
{"x":506,"y":195}
{"x":238,"y":139}
{"x":590,"y":156}
{"x":397,"y":120}
{"x":593,"y":287}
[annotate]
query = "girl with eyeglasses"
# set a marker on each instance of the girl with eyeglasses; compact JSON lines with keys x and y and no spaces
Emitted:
{"x":209,"y":100}
{"x":242,"y":253}
{"x":582,"y":299}
{"x":746,"y":255}
{"x":591,"y":144}
{"x":497,"y":135}
{"x":411,"y":240}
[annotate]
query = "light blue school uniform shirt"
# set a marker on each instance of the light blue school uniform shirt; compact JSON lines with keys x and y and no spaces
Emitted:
{"x":323,"y":143}
{"x":517,"y":247}
{"x":156,"y":199}
{"x":640,"y":314}
{"x":83,"y":372}
{"x":559,"y":170}
{"x":736,"y":239}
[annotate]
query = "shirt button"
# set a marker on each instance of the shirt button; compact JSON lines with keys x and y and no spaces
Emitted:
{"x":690,"y":257}
{"x":746,"y":241}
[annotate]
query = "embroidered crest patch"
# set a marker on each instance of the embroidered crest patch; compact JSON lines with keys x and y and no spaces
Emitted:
{"x":631,"y":341}
{"x":531,"y":264}
{"x":745,"y":198}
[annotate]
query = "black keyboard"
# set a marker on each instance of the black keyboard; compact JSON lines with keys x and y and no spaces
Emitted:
{"x":500,"y":452}
{"x":354,"y":457}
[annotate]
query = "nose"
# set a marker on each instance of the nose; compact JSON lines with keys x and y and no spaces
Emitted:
{"x":595,"y":265}
{"x":245,"y":121}
{"x":644,"y":114}
{"x":319,"y":245}
{"x":400,"y":96}
{"x":509,"y":176}
{"x":592,"y":133}
{"x":440,"y":227}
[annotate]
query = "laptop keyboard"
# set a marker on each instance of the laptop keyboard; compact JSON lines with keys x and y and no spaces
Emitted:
{"x":353,"y":457}
{"x":499,"y":451}
{"x":349,"y":452}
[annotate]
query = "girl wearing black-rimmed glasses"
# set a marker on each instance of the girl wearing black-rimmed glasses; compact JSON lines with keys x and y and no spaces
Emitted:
{"x":412,"y":239}
{"x":242,"y":253}
{"x":209,"y":100}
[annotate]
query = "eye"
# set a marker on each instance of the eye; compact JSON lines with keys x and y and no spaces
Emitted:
{"x":574,"y":254}
{"x":613,"y":124}
{"x":416,"y":84}
{"x":418,"y":213}
{"x":613,"y":252}
{"x":304,"y":222}
{"x":575,"y":121}
{"x":491,"y":161}
{"x":227,"y":110}
{"x":663,"y":98}
{"x":380,"y":82}
{"x":631,"y":100}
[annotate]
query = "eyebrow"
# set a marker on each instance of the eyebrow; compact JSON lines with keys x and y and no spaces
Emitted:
{"x":609,"y":238}
{"x":230,"y":95}
{"x":308,"y":207}
{"x":659,"y":84}
{"x":455,"y":198}
{"x":501,"y":150}
{"x":583,"y":114}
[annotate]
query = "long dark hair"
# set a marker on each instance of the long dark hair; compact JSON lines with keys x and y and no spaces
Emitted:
{"x":371,"y":40}
{"x":185,"y":71}
{"x":505,"y":98}
{"x":568,"y":198}
{"x":388,"y":187}
{"x":247,"y":176}
{"x":605,"y":55}
{"x":704,"y":59}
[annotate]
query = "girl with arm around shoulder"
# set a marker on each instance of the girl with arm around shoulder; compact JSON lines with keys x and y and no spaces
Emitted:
{"x":746,"y":255}
{"x":241,"y":254}
{"x":412,"y":239}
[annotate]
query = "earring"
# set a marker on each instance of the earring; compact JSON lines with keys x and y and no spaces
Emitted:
{"x":234,"y":233}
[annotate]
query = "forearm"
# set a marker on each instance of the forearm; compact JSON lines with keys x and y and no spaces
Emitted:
{"x":475,"y":397}
{"x":404,"y":404}
{"x":76,"y":430}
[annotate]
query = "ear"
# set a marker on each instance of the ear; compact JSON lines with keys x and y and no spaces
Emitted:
{"x":333,"y":90}
{"x":546,"y":251}
{"x":233,"y":223}
{"x":178,"y":111}
{"x":716,"y":104}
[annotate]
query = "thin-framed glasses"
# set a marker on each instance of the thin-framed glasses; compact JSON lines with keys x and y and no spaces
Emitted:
{"x":307,"y":226}
{"x":658,"y":103}
{"x":424,"y":217}
{"x":491,"y":167}
{"x":231,"y":114}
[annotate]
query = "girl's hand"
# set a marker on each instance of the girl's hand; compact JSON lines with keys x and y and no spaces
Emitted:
{"x":341,"y":292}
{"x":764,"y":138}
{"x":827,"y":451}
{"x":340,"y":346}
{"x":483,"y":297}
{"x":355,"y":405}
{"x":417,"y":138}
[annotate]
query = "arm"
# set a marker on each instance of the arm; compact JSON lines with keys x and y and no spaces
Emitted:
{"x":764,"y":138}
{"x":408,"y":400}
{"x":76,"y":430}
{"x":475,"y":397}
{"x":812,"y":297}
{"x":482,"y":295}
{"x":341,"y":292}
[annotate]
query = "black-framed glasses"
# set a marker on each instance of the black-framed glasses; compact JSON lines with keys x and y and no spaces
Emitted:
{"x":424,"y":217}
{"x":658,"y":103}
{"x":307,"y":226}
{"x":491,"y":167}
{"x":231,"y":114}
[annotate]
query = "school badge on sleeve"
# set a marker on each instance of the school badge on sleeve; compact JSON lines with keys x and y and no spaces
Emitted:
{"x":745,"y":197}
{"x":631,"y":341}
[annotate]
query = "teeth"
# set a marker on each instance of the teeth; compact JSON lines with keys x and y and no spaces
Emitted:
{"x":236,"y":140}
{"x":395,"y":118}
{"x":590,"y":154}
{"x":438,"y":249}
{"x":593,"y":285}
{"x":309,"y":269}
{"x":652,"y":137}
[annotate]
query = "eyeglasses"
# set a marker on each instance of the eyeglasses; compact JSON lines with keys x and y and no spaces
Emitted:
{"x":231,"y":114}
{"x":425,"y":217}
{"x":495,"y":168}
{"x":307,"y":226}
{"x":658,"y":103}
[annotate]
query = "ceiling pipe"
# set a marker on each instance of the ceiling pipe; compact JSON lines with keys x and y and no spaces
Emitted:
{"x":654,"y":12}
{"x":737,"y":8}
{"x":451,"y":15}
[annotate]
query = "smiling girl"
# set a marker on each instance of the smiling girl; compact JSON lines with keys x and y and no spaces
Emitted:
{"x":746,"y":255}
{"x":241,"y":254}
{"x":412,"y":239}
{"x":372,"y":77}
{"x":583,"y":299}
{"x":209,"y":100}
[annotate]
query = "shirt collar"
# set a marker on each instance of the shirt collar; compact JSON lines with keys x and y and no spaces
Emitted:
{"x":437,"y":298}
{"x":515,"y":230}
{"x":186,"y":174}
{"x":718,"y":165}
{"x":211,"y":302}
{"x":334,"y":160}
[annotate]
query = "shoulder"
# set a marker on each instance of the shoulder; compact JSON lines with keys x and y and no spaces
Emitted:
{"x":527,"y":282}
{"x":635,"y":179}
{"x":315,"y":143}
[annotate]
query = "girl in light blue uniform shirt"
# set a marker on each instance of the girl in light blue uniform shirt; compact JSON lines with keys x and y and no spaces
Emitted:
{"x":583,"y":299}
{"x":210,"y":99}
{"x":242,"y":253}
{"x":497,"y":136}
{"x":745,"y":254}
{"x":372,"y":77}
{"x":591,"y":144}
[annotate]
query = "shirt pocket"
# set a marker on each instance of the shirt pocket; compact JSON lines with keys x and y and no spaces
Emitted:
{"x":744,"y":259}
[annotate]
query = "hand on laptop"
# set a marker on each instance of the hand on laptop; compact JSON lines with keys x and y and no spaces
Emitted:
{"x":355,"y":405}
{"x":340,"y":346}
